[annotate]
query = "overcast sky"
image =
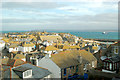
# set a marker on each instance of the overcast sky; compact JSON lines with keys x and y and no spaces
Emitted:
{"x":56,"y":15}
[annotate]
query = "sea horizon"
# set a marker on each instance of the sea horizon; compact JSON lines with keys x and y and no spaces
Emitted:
{"x":84,"y":34}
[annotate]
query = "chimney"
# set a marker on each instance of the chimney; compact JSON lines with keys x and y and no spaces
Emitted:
{"x":80,"y":59}
{"x":11,"y":56}
{"x":4,"y":57}
{"x":88,"y":49}
{"x":118,"y":48}
{"x":47,"y":56}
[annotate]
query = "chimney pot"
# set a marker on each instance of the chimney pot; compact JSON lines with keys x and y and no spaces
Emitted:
{"x":80,"y":59}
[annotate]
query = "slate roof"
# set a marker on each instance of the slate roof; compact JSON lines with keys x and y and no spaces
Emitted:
{"x":65,"y":47}
{"x":90,"y":48}
{"x":113,"y":59}
{"x":37,"y":72}
{"x":70,"y":58}
{"x":12,"y":62}
{"x":21,"y":69}
{"x":95,"y":48}
{"x":6,"y":73}
{"x":19,"y":56}
{"x":74,"y":47}
{"x":51,"y":38}
{"x":27,"y":44}
{"x":13,"y":45}
{"x":49,"y":48}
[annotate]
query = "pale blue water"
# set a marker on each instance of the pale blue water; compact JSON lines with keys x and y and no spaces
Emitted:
{"x":90,"y":35}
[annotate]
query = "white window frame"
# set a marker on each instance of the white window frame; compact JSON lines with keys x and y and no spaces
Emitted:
{"x":27,"y":74}
{"x":93,"y":64}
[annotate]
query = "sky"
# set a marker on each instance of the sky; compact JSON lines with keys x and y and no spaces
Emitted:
{"x":82,"y":15}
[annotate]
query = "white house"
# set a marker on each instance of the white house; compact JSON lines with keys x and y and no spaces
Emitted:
{"x":23,"y":47}
{"x":46,"y":43}
{"x":27,"y":47}
{"x":49,"y":50}
{"x":47,"y":63}
{"x":2,"y":44}
{"x":13,"y":47}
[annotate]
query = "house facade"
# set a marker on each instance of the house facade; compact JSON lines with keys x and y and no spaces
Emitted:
{"x":111,"y":61}
{"x":23,"y":47}
{"x":111,"y":64}
{"x":68,"y":63}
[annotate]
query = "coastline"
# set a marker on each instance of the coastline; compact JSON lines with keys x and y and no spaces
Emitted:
{"x":98,"y":36}
{"x":104,"y":40}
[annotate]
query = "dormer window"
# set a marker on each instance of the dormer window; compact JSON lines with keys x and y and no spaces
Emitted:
{"x":27,"y":74}
{"x":23,"y":72}
{"x":115,"y":50}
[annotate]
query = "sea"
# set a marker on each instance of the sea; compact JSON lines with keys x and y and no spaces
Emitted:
{"x":86,"y":35}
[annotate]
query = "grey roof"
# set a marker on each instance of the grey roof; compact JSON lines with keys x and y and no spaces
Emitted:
{"x":6,"y":73}
{"x":90,"y":47}
{"x":37,"y":72}
{"x":115,"y":59}
{"x":21,"y":69}
{"x":103,"y":57}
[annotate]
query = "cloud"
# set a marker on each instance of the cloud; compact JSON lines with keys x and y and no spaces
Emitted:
{"x":63,"y":16}
{"x":87,"y":22}
{"x":60,"y":0}
{"x":91,"y":7}
{"x":30,"y":5}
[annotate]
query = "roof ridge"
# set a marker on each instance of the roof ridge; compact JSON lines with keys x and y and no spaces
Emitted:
{"x":37,"y":66}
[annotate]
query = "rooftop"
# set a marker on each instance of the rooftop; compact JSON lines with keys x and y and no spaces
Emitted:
{"x":70,"y":57}
{"x":21,"y":69}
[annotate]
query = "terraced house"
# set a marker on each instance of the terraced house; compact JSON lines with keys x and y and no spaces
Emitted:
{"x":68,"y":63}
{"x":25,"y":46}
{"x":49,"y":50}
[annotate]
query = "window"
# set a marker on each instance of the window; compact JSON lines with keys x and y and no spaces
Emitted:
{"x":34,"y":62}
{"x":93,"y":64}
{"x":73,"y":67}
{"x":117,"y":65}
{"x":113,"y":66}
{"x":104,"y":65}
{"x":77,"y":68}
{"x":116,"y":50}
{"x":110,"y":66}
{"x":107,"y":65}
{"x":70,"y":67}
{"x":27,"y":73}
{"x":64,"y":71}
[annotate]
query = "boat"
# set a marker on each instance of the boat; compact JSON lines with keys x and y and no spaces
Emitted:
{"x":103,"y":32}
